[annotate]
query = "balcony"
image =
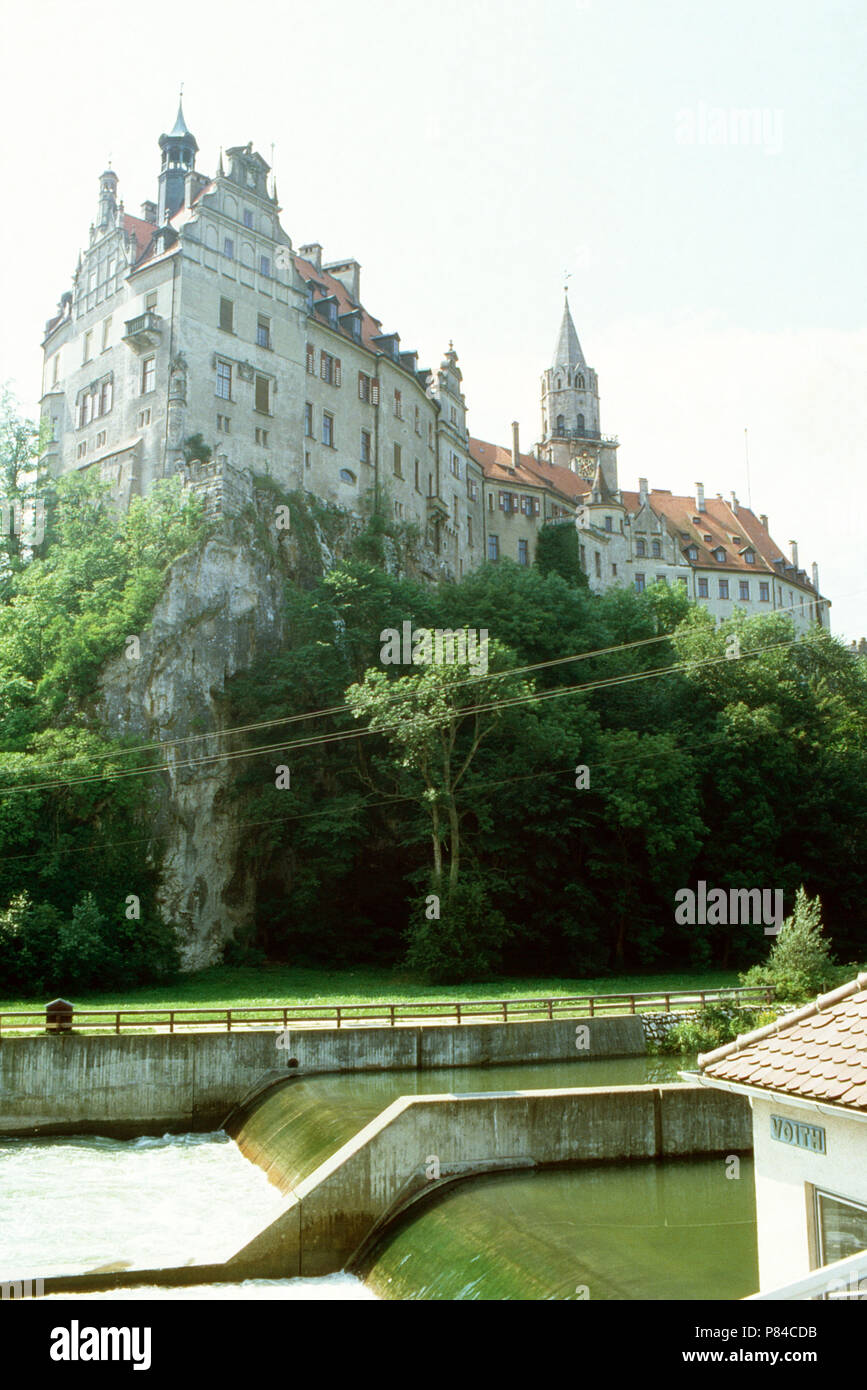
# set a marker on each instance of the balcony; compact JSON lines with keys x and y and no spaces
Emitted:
{"x":592,"y":435}
{"x":143,"y":333}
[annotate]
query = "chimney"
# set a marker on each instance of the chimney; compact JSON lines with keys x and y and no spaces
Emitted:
{"x":734,"y":504}
{"x":642,"y":492}
{"x":312,"y":253}
{"x":699,"y":497}
{"x":793,"y":545}
{"x":149,"y":213}
{"x":516,"y":451}
{"x":763,"y":519}
{"x":815,"y":576}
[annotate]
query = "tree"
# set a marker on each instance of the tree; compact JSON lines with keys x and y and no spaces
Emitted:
{"x":800,"y":963}
{"x":435,"y":722}
{"x":558,"y":551}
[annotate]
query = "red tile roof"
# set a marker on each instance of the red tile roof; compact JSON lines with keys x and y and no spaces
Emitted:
{"x":142,"y":231}
{"x":818,"y":1053}
{"x":496,"y":464}
{"x":325,"y":285}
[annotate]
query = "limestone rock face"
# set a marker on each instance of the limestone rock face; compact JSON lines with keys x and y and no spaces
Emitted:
{"x":220,"y":610}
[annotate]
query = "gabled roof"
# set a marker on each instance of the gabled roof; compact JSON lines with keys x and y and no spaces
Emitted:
{"x":326,"y":286}
{"x":817,"y":1053}
{"x":496,"y":464}
{"x":568,"y":350}
{"x":142,"y":231}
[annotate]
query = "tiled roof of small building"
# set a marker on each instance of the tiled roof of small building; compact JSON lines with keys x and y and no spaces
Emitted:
{"x":817,"y":1053}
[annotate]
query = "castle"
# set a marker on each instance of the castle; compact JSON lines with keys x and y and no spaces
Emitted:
{"x":199,"y":319}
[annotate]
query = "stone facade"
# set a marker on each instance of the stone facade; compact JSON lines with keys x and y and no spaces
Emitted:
{"x":200,"y":318}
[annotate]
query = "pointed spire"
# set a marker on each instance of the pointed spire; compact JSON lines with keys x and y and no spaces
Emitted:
{"x":220,"y":170}
{"x":568,"y":351}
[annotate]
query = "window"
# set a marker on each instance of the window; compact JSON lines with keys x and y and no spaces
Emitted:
{"x":456,"y":465}
{"x":308,"y":419}
{"x":224,"y":424}
{"x":472,"y":490}
{"x":224,"y":381}
{"x":105,"y":397}
{"x":263,"y":332}
{"x":614,"y":571}
{"x":580,"y":424}
{"x":580,"y":382}
{"x":149,"y":373}
{"x":523,"y":557}
{"x":609,"y":523}
{"x":719,"y":554}
{"x":469,"y":530}
{"x":398,"y":470}
{"x":639,"y":584}
{"x":82,"y":449}
{"x":661,"y":579}
{"x":702,"y":588}
{"x":537,"y":506}
{"x":363,"y":387}
{"x":744,"y":590}
{"x":326,"y":367}
{"x":455,"y":510}
{"x":750,"y":557}
{"x":227,"y":315}
{"x":248,"y":217}
{"x":841,"y":1227}
{"x":87,"y":350}
{"x":490,"y":501}
{"x":764,"y":591}
{"x":263,"y":395}
{"x":262,"y":437}
{"x":265,"y":265}
{"x":417,"y":488}
{"x":56,"y":369}
{"x":655,"y":549}
{"x":398,"y":405}
{"x":144,"y":418}
{"x":346,"y":476}
{"x":430,"y":434}
{"x":640,"y":548}
{"x":228,"y":248}
{"x":374,"y":392}
{"x":493,"y":547}
{"x":365,"y":446}
{"x":723,"y":588}
{"x":328,"y":429}
{"x":598,"y":562}
{"x":100,"y":439}
{"x":106,"y":333}
{"x":151,"y":302}
{"x":417,"y":420}
{"x":311,"y":359}
{"x":306,"y":458}
{"x":692,"y":552}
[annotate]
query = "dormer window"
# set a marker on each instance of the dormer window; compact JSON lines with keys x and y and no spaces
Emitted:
{"x":692,"y":552}
{"x":750,"y":557}
{"x":719,"y":554}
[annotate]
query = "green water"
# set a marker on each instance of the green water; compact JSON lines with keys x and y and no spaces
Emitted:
{"x":300,"y":1123}
{"x":674,"y":1230}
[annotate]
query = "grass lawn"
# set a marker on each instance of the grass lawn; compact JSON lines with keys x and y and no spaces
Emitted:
{"x":224,"y":986}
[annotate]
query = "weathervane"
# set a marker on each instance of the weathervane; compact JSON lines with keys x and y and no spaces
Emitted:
{"x":567,"y":276}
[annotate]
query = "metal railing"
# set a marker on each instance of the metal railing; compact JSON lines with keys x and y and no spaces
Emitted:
{"x":843,"y":1280}
{"x":363,"y":1015}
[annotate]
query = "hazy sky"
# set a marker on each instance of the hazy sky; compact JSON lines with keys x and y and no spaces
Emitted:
{"x":467,"y":153}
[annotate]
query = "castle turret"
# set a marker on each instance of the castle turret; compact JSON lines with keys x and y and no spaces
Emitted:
{"x":178,"y":160}
{"x":107,"y":199}
{"x":571,"y":435}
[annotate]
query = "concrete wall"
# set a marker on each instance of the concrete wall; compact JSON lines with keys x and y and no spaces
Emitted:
{"x":389,"y":1163}
{"x":149,"y":1083}
{"x":785,"y":1176}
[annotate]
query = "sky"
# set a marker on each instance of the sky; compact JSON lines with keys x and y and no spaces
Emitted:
{"x":696,"y":170}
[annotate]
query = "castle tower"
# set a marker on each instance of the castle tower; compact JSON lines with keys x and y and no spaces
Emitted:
{"x":107,"y":199}
{"x":178,"y":159}
{"x":571,"y":435}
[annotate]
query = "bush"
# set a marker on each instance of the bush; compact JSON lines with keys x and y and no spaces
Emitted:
{"x":465,"y":943}
{"x":42,"y":952}
{"x":800,"y":963}
{"x":710,"y":1027}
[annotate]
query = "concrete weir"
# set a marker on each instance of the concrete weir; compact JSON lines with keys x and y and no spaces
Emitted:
{"x":145,"y":1083}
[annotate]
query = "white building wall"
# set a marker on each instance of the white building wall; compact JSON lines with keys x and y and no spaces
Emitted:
{"x":783,"y":1197}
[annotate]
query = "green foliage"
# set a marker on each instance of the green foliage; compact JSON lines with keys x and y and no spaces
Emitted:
{"x":800,"y":963}
{"x":709,"y":1028}
{"x":196,"y":448}
{"x":467,"y":941}
{"x":44,"y":952}
{"x":558,"y":551}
